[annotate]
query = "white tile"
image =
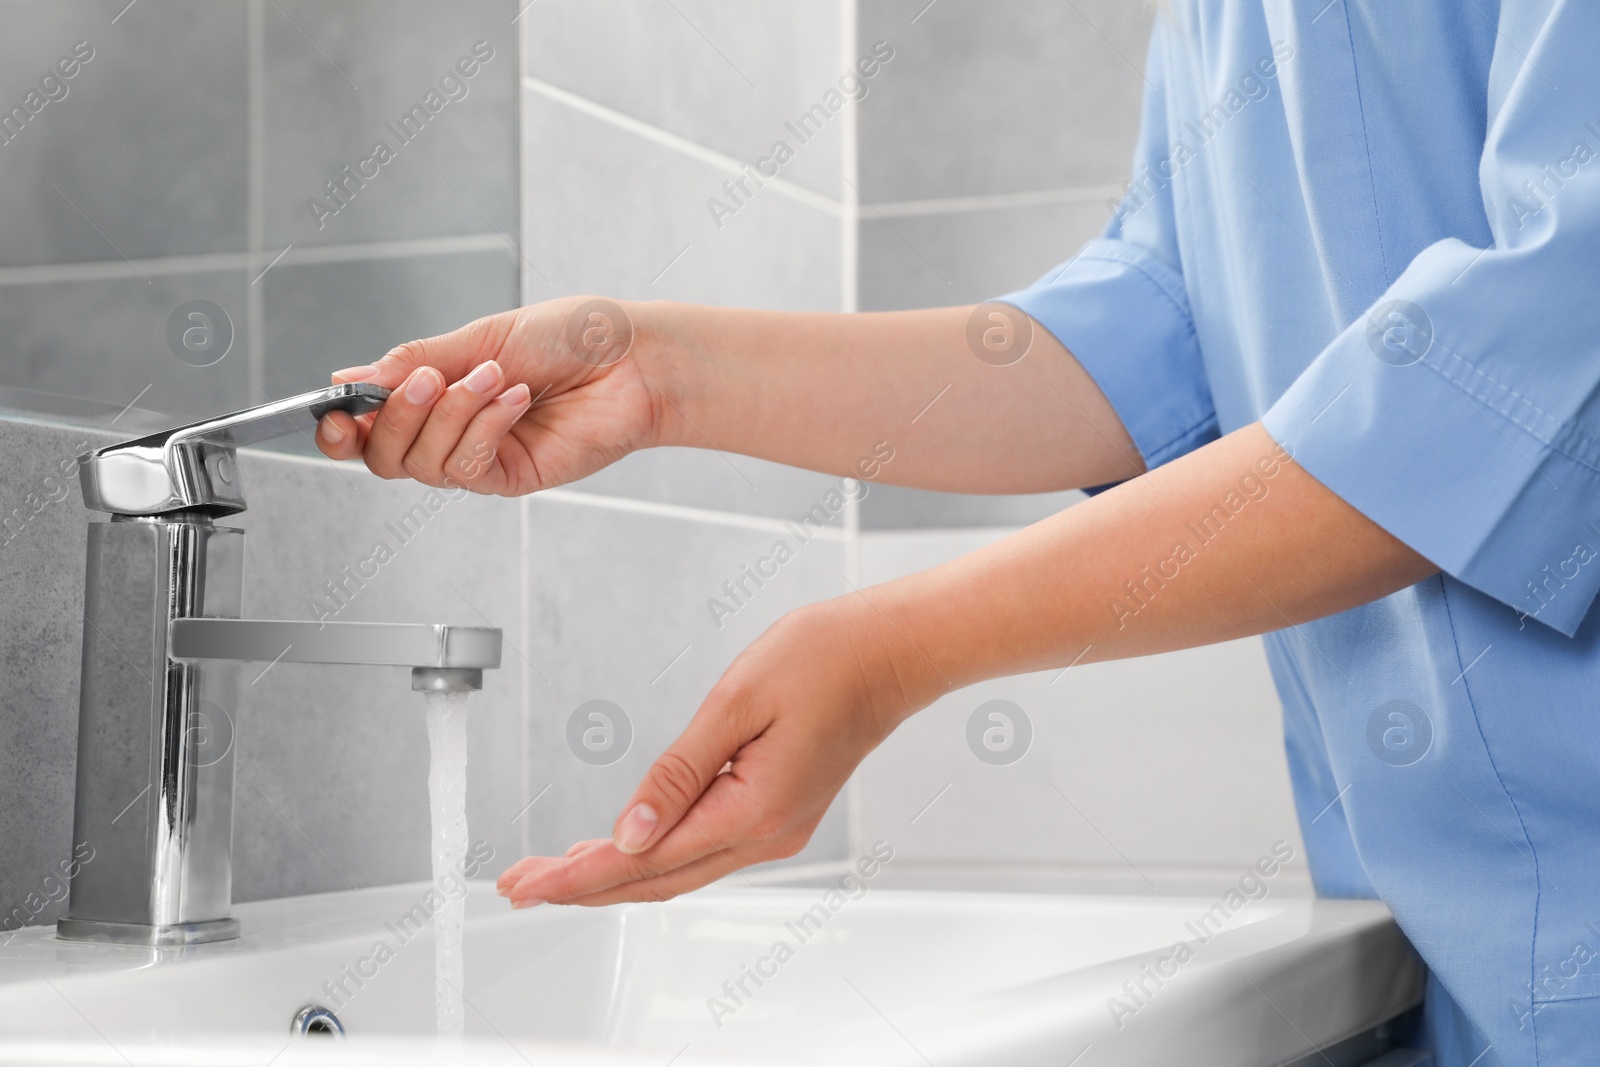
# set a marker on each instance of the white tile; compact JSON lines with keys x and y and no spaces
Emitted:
{"x":1171,"y":761}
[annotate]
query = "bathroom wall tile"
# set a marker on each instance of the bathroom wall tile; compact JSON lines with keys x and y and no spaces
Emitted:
{"x":607,"y":211}
{"x":323,"y":316}
{"x":719,"y":75}
{"x":333,"y":761}
{"x":106,"y":340}
{"x":1003,"y":96}
{"x":338,"y":74}
{"x":610,"y":212}
{"x":1166,"y":763}
{"x":968,"y":256}
{"x":618,"y":612}
{"x":719,"y":481}
{"x":41,"y":584}
{"x":148,"y":142}
{"x":893,"y":507}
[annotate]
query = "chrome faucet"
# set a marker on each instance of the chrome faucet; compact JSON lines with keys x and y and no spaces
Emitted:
{"x":161,"y":638}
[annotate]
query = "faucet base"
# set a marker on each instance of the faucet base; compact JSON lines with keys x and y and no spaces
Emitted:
{"x":169,"y":935}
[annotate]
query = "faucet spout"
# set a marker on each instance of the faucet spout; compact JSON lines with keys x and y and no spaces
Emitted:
{"x":448,"y":659}
{"x":381,"y":644}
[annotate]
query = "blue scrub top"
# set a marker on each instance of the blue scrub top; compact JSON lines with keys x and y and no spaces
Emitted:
{"x":1374,"y":226}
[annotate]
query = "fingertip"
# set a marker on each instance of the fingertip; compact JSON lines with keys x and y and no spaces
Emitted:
{"x":354,"y":374}
{"x":423,"y":385}
{"x":338,"y":435}
{"x":518,"y":396}
{"x":636,"y":828}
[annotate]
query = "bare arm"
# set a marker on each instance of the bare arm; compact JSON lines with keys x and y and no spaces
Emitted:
{"x":1265,"y":546}
{"x":819,"y":390}
{"x":522,"y":391}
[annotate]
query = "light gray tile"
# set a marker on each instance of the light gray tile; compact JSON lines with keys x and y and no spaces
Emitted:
{"x":968,"y":256}
{"x":724,"y":76}
{"x":719,"y":481}
{"x":609,"y":212}
{"x":338,"y":74}
{"x":148,"y":142}
{"x":333,"y":761}
{"x":1171,"y":761}
{"x":321,"y":317}
{"x":893,"y":507}
{"x":618,"y":611}
{"x":1003,"y":96}
{"x":107,"y":341}
{"x":41,"y":584}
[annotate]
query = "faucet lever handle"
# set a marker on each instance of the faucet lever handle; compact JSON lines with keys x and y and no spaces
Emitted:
{"x":192,"y":468}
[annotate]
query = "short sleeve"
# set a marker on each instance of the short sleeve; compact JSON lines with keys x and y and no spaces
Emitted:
{"x":1461,"y":412}
{"x":1120,"y":307}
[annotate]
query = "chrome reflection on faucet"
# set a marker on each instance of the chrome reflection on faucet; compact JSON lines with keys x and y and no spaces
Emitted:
{"x":161,"y":637}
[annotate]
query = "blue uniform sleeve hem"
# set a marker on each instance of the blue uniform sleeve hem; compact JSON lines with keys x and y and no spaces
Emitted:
{"x":1454,"y":469}
{"x":1124,"y":315}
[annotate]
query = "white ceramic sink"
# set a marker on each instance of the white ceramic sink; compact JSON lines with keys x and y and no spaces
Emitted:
{"x":894,"y":977}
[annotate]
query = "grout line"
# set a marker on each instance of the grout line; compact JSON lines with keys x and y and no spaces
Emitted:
{"x":104,"y":270}
{"x":679,"y":511}
{"x":416,"y":246}
{"x":850,"y":169}
{"x":849,"y":274}
{"x":525,"y":551}
{"x":524,"y":508}
{"x":255,"y":210}
{"x":956,"y":205}
{"x":679,"y":144}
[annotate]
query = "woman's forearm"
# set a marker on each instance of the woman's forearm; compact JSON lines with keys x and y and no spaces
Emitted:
{"x":1232,"y":540}
{"x":826,"y":391}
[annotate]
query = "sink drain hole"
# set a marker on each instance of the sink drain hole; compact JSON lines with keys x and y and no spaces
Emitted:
{"x":314,"y":1020}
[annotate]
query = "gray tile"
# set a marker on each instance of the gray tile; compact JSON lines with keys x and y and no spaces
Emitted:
{"x":968,"y":256}
{"x":714,"y":73}
{"x":719,"y":481}
{"x":333,"y":761}
{"x":1003,"y":96}
{"x":321,"y":317}
{"x":338,"y":74}
{"x":41,"y":584}
{"x":107,"y":341}
{"x":607,"y":211}
{"x":893,"y":507}
{"x":618,"y":612}
{"x":148,"y":141}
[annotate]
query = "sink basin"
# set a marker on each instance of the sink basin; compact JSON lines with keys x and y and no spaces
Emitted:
{"x":894,"y":977}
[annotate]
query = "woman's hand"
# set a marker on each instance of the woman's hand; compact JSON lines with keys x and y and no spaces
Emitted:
{"x":512,"y":403}
{"x":755,"y":771}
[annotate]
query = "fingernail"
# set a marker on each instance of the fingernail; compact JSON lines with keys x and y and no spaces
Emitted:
{"x":526,"y":902}
{"x":636,"y":828}
{"x":515,"y":397}
{"x":331,"y":432}
{"x":424,"y":385}
{"x":354,"y":374}
{"x":484,"y":378}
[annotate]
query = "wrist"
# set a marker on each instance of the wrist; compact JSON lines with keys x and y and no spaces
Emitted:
{"x":672,"y":363}
{"x":900,"y":677}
